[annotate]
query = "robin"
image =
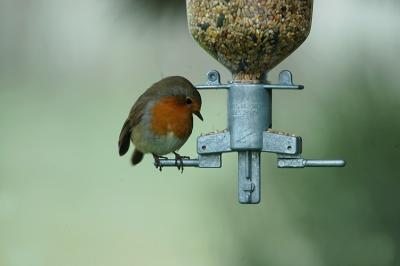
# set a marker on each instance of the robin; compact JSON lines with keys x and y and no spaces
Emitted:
{"x":161,"y":120}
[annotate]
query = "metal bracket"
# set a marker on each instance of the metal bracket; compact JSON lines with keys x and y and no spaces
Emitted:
{"x":285,"y":82}
{"x":287,"y":147}
{"x":249,"y":115}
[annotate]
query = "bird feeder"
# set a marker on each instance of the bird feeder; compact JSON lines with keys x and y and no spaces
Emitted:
{"x":250,"y":37}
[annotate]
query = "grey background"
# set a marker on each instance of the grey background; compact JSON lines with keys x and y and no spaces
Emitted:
{"x":69,"y":73}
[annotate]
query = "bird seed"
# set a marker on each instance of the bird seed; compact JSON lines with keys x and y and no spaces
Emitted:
{"x":249,"y":37}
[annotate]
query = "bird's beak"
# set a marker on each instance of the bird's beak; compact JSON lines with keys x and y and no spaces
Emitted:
{"x":197,"y":113}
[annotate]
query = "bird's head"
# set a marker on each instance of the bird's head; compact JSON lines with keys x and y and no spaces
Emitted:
{"x":185,"y":93}
{"x":193,"y":102}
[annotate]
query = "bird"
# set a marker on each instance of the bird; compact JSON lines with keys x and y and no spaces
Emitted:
{"x":161,"y":120}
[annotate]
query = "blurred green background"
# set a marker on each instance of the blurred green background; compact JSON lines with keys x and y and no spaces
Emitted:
{"x":69,"y":73}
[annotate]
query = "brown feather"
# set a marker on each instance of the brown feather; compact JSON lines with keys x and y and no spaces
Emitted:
{"x":124,"y":138}
{"x":133,"y":119}
{"x":137,"y":157}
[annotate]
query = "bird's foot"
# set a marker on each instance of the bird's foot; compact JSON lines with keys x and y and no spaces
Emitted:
{"x":157,"y":161}
{"x":180,"y":159}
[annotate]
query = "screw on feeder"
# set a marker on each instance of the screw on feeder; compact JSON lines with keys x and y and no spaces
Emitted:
{"x":213,"y":77}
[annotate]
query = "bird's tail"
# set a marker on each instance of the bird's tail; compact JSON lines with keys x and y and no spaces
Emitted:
{"x":137,"y":157}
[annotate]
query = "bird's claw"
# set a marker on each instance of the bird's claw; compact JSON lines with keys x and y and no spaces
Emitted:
{"x":180,"y":159}
{"x":157,"y":163}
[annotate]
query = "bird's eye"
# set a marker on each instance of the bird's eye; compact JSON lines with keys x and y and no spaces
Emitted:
{"x":188,"y":101}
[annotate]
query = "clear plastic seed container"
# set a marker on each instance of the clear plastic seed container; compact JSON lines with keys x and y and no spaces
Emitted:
{"x":249,"y":37}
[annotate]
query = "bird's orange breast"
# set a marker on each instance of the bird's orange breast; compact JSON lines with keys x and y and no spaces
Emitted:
{"x":170,"y":115}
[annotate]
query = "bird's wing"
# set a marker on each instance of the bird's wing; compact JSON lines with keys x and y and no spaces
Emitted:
{"x":134,"y":118}
{"x":137,"y":110}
